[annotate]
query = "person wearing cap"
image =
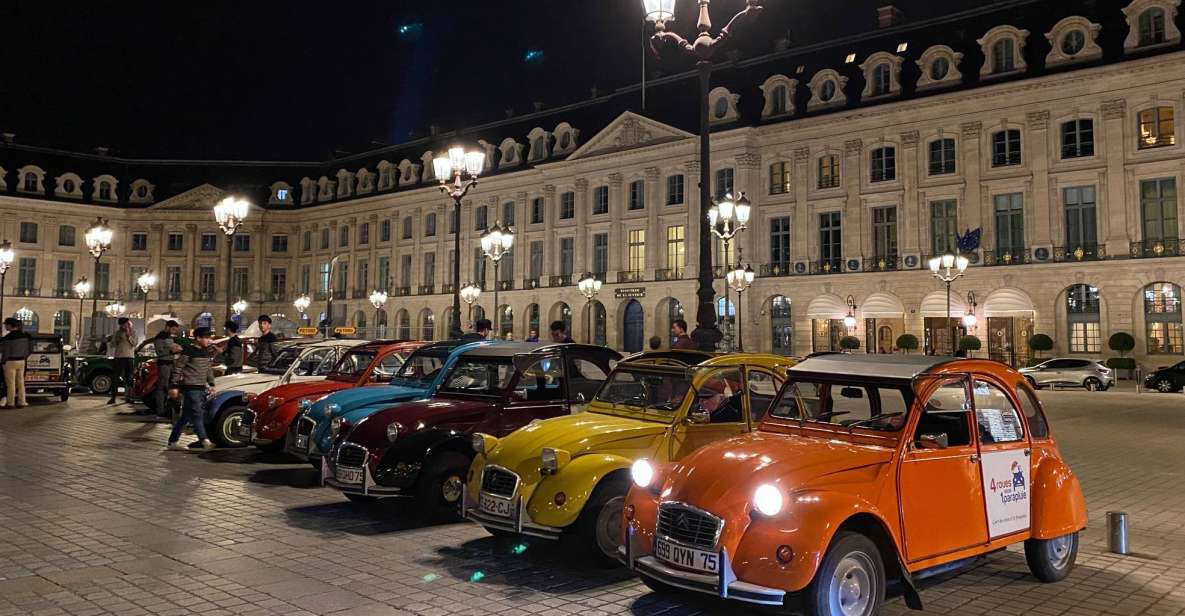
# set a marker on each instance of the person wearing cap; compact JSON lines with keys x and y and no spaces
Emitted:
{"x":265,"y":347}
{"x":233,"y":356}
{"x":193,"y":380}
{"x":122,"y":346}
{"x":15,"y":347}
{"x":166,"y":349}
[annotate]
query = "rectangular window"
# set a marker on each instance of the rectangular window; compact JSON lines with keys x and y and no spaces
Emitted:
{"x":725,"y":182}
{"x":306,"y":278}
{"x":279,"y":282}
{"x":1078,"y":138}
{"x":506,"y":266}
{"x":537,"y":211}
{"x":27,"y":274}
{"x":343,"y":236}
{"x":1081,"y":224}
{"x":508,"y":214}
{"x":637,"y":195}
{"x":429,"y":269}
{"x":942,"y":156}
{"x":65,"y":235}
{"x":779,"y":242}
{"x":407,"y":230}
{"x":279,"y":243}
{"x":238,"y":282}
{"x":133,"y":275}
{"x":884,"y":164}
{"x":405,"y":271}
{"x":567,"y":255}
{"x":454,"y":221}
{"x":206,"y":283}
{"x":139,"y":241}
{"x":674,"y":189}
{"x":944,"y":227}
{"x":567,"y":205}
{"x":306,"y":241}
{"x":600,"y":200}
{"x":385,"y":231}
{"x":324,"y":243}
{"x":173,"y":281}
{"x":1084,"y":337}
{"x":676,"y":250}
{"x":242,"y":242}
{"x":176,"y":242}
{"x":430,"y":225}
{"x":343,"y":278}
{"x":364,"y":234}
{"x":780,"y":175}
{"x":323,"y":278}
{"x":1010,"y":224}
{"x":1151,"y":27}
{"x":1158,"y":208}
{"x":102,"y":278}
{"x":362,"y":279}
{"x":481,"y":218}
{"x":1157,"y":127}
{"x":884,"y":232}
{"x":65,"y":280}
{"x":1164,"y":337}
{"x":828,"y":172}
{"x":600,"y":257}
{"x":830,"y":239}
{"x":479,"y":266}
{"x":28,"y":233}
{"x":209,"y":242}
{"x":725,"y":257}
{"x":1006,"y":148}
{"x":637,"y":251}
{"x":383,"y":277}
{"x":535,"y":267}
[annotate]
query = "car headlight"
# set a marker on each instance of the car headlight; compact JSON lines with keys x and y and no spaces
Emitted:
{"x":392,"y":432}
{"x":643,"y":473}
{"x":335,"y":427}
{"x":483,"y":443}
{"x":767,"y":500}
{"x":553,"y":460}
{"x":332,"y":409}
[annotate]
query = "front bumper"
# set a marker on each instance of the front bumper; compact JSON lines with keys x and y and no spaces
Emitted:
{"x":299,"y":442}
{"x":365,"y":483}
{"x":724,"y":584}
{"x":247,"y":429}
{"x":518,"y":522}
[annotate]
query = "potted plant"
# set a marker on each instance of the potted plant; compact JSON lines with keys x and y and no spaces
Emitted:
{"x":970,"y":344}
{"x":907,"y":342}
{"x":1040,"y":343}
{"x":1122,"y":343}
{"x":849,"y":343}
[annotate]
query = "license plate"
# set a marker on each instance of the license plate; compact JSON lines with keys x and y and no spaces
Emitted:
{"x":348,"y":475}
{"x":688,"y":558}
{"x":496,"y":506}
{"x":245,"y":430}
{"x":36,"y":377}
{"x":301,"y":442}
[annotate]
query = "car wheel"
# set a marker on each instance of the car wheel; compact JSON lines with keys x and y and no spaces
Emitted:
{"x":361,"y":499}
{"x":851,"y":579}
{"x":64,"y":396}
{"x":1164,"y":386}
{"x":226,"y":427}
{"x":441,"y":483}
{"x":1092,"y":384}
{"x":1051,"y":560}
{"x":599,"y":527}
{"x":100,"y":383}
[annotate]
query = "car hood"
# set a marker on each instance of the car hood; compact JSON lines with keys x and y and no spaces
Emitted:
{"x":416,"y":415}
{"x":349,"y":400}
{"x":722,"y":476}
{"x":305,"y":389}
{"x":577,"y":434}
{"x":243,"y":381}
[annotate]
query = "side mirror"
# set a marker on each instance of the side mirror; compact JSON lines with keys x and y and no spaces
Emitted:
{"x":933,"y":441}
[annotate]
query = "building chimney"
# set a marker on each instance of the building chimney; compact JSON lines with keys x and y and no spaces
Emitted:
{"x":889,"y":16}
{"x":8,"y":137}
{"x":102,"y":150}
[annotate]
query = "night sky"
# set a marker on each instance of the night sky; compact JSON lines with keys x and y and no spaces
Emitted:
{"x":297,"y":80}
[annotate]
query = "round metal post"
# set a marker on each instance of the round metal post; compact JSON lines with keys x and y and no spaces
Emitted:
{"x":1117,"y":532}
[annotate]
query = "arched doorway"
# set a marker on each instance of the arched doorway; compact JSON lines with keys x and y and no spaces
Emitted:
{"x":1010,"y":316}
{"x":427,"y":325}
{"x":63,"y":321}
{"x":203,"y":319}
{"x":781,"y":325}
{"x":359,"y":323}
{"x":449,"y":321}
{"x":478,"y":313}
{"x":506,"y":322}
{"x":563,"y":312}
{"x":29,"y":320}
{"x":532,"y":321}
{"x":940,"y":334}
{"x":827,"y":313}
{"x":884,"y":320}
{"x":1162,"y":319}
{"x":380,"y":319}
{"x":669,"y":311}
{"x":404,"y":321}
{"x":1083,"y":327}
{"x":633,"y":327}
{"x":597,"y":323}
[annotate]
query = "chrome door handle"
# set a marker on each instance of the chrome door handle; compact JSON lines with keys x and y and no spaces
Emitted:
{"x":974,"y":458}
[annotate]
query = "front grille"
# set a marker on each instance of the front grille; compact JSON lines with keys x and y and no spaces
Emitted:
{"x":499,"y":482}
{"x":689,"y":526}
{"x":304,"y":427}
{"x":351,"y":455}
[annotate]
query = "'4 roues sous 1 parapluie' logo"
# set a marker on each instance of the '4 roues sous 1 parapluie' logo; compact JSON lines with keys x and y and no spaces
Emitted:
{"x":1010,"y":489}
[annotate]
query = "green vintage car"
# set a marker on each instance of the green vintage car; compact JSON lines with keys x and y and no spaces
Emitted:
{"x":97,"y":372}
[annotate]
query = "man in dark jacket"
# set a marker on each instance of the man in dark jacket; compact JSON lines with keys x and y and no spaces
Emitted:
{"x":559,"y":332}
{"x":192,"y":381}
{"x":165,"y":348}
{"x":122,"y":346}
{"x":265,"y":347}
{"x":15,"y":348}
{"x":233,"y":356}
{"x":481,"y":330}
{"x":681,"y":339}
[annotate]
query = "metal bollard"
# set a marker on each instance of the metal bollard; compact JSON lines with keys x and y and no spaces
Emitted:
{"x":1117,"y":532}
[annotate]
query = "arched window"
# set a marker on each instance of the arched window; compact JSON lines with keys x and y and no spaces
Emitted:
{"x":506,"y":326}
{"x":1004,"y":56}
{"x":404,"y":321}
{"x":533,"y":320}
{"x":1082,"y":317}
{"x":778,"y":102}
{"x":1152,"y":27}
{"x":781,"y":326}
{"x":28,"y":319}
{"x":427,"y":325}
{"x":1162,"y":317}
{"x":105,"y":191}
{"x":30,"y":182}
{"x":62,"y":322}
{"x":599,"y":321}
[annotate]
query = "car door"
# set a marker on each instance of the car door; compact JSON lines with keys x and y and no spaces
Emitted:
{"x":941,"y":491}
{"x":538,"y":391}
{"x":718,"y":409}
{"x":1005,"y":458}
{"x":1049,"y":372}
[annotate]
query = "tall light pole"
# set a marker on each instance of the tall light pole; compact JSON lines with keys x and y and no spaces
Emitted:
{"x":589,"y":287}
{"x":82,"y":288}
{"x":329,"y":296}
{"x":230,"y":214}
{"x":660,"y":12}
{"x":302,"y":303}
{"x":458,"y":163}
{"x":469,"y":294}
{"x":7,"y":256}
{"x":98,"y":241}
{"x":146,"y":281}
{"x":378,"y":299}
{"x":728,"y":218}
{"x":949,"y":268}
{"x":495,"y":244}
{"x":740,"y":279}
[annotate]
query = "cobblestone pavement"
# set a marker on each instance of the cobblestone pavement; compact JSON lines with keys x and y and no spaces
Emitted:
{"x":96,"y":519}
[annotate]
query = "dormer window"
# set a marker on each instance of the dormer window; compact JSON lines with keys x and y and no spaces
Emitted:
{"x":1003,"y":51}
{"x":939,"y":66}
{"x":282,"y":194}
{"x":105,"y":191}
{"x":939,"y":69}
{"x":779,"y":96}
{"x":723,"y":105}
{"x":1152,"y":27}
{"x":1151,"y":23}
{"x":1073,"y":40}
{"x":1004,"y":56}
{"x":779,"y":100}
{"x":104,"y":188}
{"x":30,"y":183}
{"x":826,"y":90}
{"x":69,"y":185}
{"x":565,"y":139}
{"x":720,"y":109}
{"x":880,"y":80}
{"x":881,"y":70}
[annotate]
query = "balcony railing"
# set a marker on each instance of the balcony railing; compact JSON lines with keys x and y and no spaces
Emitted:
{"x":668,"y":274}
{"x":173,"y":295}
{"x":563,"y":280}
{"x":1017,"y":256}
{"x":1150,"y":249}
{"x":447,"y":288}
{"x":827,"y":266}
{"x":531,"y":283}
{"x":359,"y":294}
{"x":505,"y":285}
{"x":401,"y":291}
{"x":205,"y":296}
{"x":1083,"y":252}
{"x":887,"y":263}
{"x":631,"y":276}
{"x":775,"y":270}
{"x":277,"y":296}
{"x":321,"y":295}
{"x":27,"y":292}
{"x":426,"y":289}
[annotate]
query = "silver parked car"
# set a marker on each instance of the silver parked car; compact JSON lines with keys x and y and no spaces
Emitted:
{"x":1086,"y":373}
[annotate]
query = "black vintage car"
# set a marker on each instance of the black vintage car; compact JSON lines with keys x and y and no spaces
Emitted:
{"x":1166,"y":378}
{"x":47,"y":370}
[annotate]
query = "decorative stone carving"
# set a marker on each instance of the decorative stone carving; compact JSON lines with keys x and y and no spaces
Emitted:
{"x":853,"y":147}
{"x":1038,"y":120}
{"x":971,"y":130}
{"x":1115,"y":109}
{"x":802,"y":155}
{"x":909,"y":138}
{"x":748,"y":160}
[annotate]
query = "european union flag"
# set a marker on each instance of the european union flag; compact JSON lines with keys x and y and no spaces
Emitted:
{"x":969,"y":241}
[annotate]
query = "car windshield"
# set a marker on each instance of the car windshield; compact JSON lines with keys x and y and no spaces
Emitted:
{"x":854,"y":404}
{"x":282,"y":360}
{"x":46,"y":346}
{"x":483,"y":376}
{"x":421,"y":368}
{"x":352,"y":365}
{"x":638,"y":388}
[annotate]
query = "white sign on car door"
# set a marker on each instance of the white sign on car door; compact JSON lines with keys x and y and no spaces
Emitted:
{"x":1006,"y":491}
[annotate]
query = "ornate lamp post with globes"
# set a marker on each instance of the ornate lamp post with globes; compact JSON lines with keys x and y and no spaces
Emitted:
{"x":949,"y":268}
{"x":740,"y":279}
{"x":728,"y":218}
{"x":495,"y":244}
{"x":98,"y":241}
{"x":302,"y":304}
{"x":82,"y":288}
{"x":229,"y":214}
{"x":378,"y":299}
{"x":589,"y":287}
{"x":456,"y":167}
{"x":239,"y":307}
{"x":469,"y":294}
{"x":114,"y":309}
{"x":702,"y":49}
{"x":7,"y":256}
{"x":146,"y":281}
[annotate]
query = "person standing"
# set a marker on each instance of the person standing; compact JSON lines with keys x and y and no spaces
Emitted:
{"x":15,"y":348}
{"x":192,"y":381}
{"x":481,"y":329}
{"x":166,"y":348}
{"x":122,"y":347}
{"x":681,"y":339}
{"x":233,"y":356}
{"x":533,"y":336}
{"x":559,"y":332}
{"x":265,"y":347}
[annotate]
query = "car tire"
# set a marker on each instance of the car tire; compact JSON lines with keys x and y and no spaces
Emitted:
{"x":1164,"y":386}
{"x":361,"y":499}
{"x":442,"y":480}
{"x":64,"y":396}
{"x":1092,"y":384}
{"x":598,"y":528}
{"x":851,"y":575}
{"x":100,"y":383}
{"x":1051,"y":560}
{"x":224,"y":429}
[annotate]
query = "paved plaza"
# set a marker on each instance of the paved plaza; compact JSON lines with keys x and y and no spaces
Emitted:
{"x":95,"y":518}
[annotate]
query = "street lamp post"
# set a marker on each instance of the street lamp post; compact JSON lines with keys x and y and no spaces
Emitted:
{"x":949,"y":268}
{"x":740,"y":279}
{"x":727,"y":218}
{"x":239,"y":307}
{"x":329,"y":296}
{"x":146,"y":281}
{"x":7,"y":256}
{"x":706,"y":333}
{"x":81,"y":289}
{"x":458,"y":163}
{"x":589,"y":287}
{"x":969,"y":319}
{"x":114,"y":309}
{"x":302,"y":304}
{"x":469,"y":294}
{"x":495,"y":244}
{"x":378,"y":299}
{"x":98,"y":241}
{"x":229,"y":214}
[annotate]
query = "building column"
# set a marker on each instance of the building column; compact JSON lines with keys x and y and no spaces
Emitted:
{"x":189,"y":292}
{"x":583,"y":247}
{"x":691,"y":192}
{"x":801,"y":223}
{"x":262,"y":245}
{"x":749,"y":168}
{"x":551,"y":245}
{"x":1117,"y":226}
{"x":970,"y":213}
{"x":1041,"y":233}
{"x":154,"y":261}
{"x":655,"y":234}
{"x":909,"y":221}
{"x":617,"y":245}
{"x":853,"y":213}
